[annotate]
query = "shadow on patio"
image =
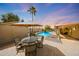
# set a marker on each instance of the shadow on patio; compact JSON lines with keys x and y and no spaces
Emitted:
{"x":45,"y":51}
{"x":6,"y":45}
{"x":49,"y":51}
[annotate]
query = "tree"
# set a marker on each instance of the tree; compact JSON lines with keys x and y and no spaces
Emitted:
{"x":22,"y":20}
{"x":48,"y":28}
{"x":32,"y":10}
{"x":9,"y":17}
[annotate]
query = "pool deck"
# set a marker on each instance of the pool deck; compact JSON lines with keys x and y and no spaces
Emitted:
{"x":52,"y":47}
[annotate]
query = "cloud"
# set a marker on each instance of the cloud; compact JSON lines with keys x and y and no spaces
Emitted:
{"x":61,"y":10}
{"x":61,"y":16}
{"x":58,"y":19}
{"x":22,"y":7}
{"x":25,"y":6}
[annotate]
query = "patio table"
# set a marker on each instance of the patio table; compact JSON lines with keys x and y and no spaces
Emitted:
{"x":28,"y":40}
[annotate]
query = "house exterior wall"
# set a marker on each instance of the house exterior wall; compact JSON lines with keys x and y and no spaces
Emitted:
{"x":71,"y":29}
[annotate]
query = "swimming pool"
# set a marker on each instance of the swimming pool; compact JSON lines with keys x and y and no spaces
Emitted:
{"x":44,"y":34}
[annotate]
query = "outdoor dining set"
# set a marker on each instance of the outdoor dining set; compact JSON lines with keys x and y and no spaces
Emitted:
{"x":29,"y":45}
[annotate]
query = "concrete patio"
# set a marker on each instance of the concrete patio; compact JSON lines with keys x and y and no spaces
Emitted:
{"x":52,"y":47}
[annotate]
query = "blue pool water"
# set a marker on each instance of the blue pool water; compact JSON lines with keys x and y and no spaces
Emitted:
{"x":44,"y":34}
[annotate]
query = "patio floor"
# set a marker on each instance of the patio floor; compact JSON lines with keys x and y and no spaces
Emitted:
{"x":52,"y":47}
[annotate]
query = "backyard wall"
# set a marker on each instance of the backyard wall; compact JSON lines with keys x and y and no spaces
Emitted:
{"x":8,"y":32}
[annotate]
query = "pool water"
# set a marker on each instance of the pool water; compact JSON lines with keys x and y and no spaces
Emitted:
{"x":44,"y":34}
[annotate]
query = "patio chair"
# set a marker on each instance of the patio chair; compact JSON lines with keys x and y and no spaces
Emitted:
{"x":31,"y":49}
{"x":19,"y":47}
{"x":40,"y":42}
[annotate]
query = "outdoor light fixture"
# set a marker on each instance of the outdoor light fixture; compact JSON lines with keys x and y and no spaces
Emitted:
{"x":74,"y":28}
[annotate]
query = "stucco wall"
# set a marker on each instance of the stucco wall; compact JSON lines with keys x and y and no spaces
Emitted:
{"x":73,"y":33}
{"x":8,"y":33}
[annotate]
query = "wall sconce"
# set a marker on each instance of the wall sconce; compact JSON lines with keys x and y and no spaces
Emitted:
{"x":74,"y":28}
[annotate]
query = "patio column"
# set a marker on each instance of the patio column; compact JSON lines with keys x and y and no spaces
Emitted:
{"x":58,"y":33}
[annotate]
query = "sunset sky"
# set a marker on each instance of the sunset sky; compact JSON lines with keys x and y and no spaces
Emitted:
{"x":51,"y":14}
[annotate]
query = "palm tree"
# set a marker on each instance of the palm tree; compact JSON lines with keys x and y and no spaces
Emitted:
{"x":32,"y":10}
